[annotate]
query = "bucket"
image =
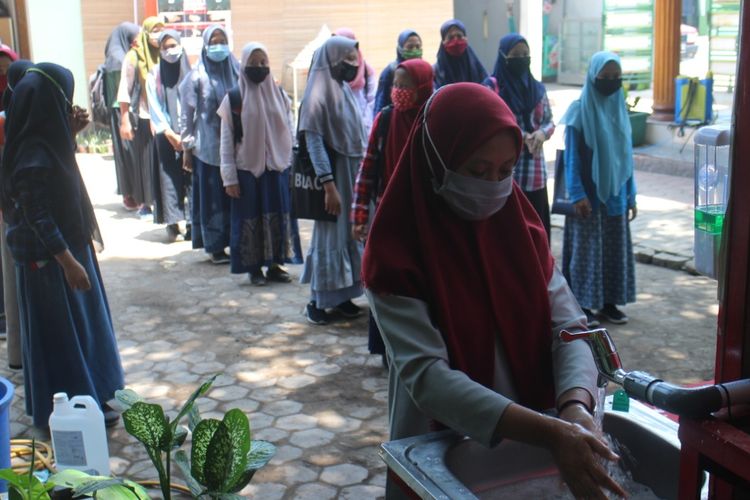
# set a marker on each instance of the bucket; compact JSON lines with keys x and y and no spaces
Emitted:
{"x":6,"y":396}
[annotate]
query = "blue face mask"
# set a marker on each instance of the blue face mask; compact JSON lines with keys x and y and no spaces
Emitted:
{"x":218,"y":52}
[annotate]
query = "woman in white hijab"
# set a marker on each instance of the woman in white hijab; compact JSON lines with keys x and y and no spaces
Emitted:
{"x":255,"y":150}
{"x":335,"y":137}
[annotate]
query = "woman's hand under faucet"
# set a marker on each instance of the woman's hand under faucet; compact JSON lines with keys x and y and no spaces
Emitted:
{"x":576,"y":450}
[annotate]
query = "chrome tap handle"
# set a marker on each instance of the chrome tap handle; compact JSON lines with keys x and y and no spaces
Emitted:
{"x":603,"y":348}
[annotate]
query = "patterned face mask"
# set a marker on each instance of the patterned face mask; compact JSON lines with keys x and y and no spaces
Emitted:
{"x":403,"y":99}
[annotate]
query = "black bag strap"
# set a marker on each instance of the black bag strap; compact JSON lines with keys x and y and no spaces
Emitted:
{"x":235,"y":105}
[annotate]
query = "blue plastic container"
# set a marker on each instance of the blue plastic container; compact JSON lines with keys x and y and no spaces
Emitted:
{"x":6,"y":397}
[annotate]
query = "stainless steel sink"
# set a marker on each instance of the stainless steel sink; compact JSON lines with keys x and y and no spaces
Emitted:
{"x":444,"y":465}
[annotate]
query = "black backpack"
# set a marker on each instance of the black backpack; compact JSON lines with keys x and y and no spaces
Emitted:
{"x":235,"y":104}
{"x":99,"y":110}
{"x":381,"y":135}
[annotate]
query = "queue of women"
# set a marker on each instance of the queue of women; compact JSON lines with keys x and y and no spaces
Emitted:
{"x":466,"y":301}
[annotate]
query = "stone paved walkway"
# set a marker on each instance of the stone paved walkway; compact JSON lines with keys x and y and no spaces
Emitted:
{"x":313,"y":391}
{"x":663,"y":231}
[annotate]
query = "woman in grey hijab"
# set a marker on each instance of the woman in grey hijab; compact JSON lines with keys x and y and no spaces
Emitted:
{"x":118,"y":44}
{"x":335,"y":137}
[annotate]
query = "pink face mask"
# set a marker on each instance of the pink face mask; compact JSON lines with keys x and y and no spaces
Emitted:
{"x":456,"y":47}
{"x":403,"y":99}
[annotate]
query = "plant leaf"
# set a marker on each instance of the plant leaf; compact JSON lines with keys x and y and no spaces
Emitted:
{"x":127,"y":398}
{"x":147,"y":423}
{"x":202,"y":436}
{"x":227,"y":454}
{"x":260,"y":454}
{"x":178,"y":439}
{"x":200,"y":391}
{"x":13,"y":478}
{"x":181,"y":459}
{"x":229,"y":496}
{"x":94,"y":484}
{"x":194,"y":418}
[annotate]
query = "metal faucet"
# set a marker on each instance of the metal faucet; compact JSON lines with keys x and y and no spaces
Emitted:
{"x":605,"y":353}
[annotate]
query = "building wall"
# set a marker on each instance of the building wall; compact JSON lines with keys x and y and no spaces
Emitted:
{"x":285,"y":26}
{"x":99,"y":18}
{"x":57,"y":36}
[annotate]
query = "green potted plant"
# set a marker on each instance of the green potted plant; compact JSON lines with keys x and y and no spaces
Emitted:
{"x":223,"y":456}
{"x":637,"y":121}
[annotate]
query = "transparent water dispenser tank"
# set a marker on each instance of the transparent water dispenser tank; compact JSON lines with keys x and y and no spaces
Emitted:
{"x":711,"y":195}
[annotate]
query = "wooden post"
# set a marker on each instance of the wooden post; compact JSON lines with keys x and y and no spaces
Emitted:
{"x":667,"y":14}
{"x":22,"y":30}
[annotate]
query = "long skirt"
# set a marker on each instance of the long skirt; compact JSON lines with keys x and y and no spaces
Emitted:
{"x":211,"y":211}
{"x":146,"y":163}
{"x":123,"y":155}
{"x":171,"y":184}
{"x":334,"y":259}
{"x":540,"y":201}
{"x":261,"y":226}
{"x":68,"y":340}
{"x":598,"y":259}
{"x":297,"y":255}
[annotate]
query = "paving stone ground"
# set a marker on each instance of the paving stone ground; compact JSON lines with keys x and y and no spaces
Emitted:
{"x":314,"y":391}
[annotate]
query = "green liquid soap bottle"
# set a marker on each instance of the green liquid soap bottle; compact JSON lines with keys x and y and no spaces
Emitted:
{"x":621,"y":401}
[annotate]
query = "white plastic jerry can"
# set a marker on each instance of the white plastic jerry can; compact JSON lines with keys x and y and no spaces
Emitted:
{"x":79,"y":439}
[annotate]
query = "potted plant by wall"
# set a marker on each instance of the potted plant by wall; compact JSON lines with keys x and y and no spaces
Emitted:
{"x":637,"y":122}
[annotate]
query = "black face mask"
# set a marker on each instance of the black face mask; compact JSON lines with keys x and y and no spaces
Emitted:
{"x":607,"y":87}
{"x":518,"y":66}
{"x":345,"y":72}
{"x":257,"y":74}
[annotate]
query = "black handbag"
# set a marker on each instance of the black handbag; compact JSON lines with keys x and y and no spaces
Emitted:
{"x":561,"y":203}
{"x":307,"y":193}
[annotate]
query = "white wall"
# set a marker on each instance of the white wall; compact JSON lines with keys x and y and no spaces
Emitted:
{"x":56,"y":35}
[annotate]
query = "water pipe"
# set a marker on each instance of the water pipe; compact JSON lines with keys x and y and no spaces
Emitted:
{"x":690,"y":402}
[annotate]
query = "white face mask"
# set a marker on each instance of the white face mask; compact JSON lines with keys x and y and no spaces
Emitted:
{"x":469,"y":197}
{"x":172,"y":54}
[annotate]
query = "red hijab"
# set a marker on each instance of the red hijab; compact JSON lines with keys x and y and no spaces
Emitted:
{"x":420,"y":72}
{"x":11,"y":54}
{"x":480,"y":279}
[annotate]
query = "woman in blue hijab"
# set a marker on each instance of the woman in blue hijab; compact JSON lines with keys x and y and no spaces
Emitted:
{"x":527,"y":98}
{"x":201,"y":93}
{"x":409,"y":47}
{"x":597,"y":250}
{"x":68,"y":340}
{"x":456,"y":61}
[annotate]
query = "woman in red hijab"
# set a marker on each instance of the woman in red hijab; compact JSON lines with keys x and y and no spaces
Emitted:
{"x":465,"y":291}
{"x":412,"y":86}
{"x":7,"y":57}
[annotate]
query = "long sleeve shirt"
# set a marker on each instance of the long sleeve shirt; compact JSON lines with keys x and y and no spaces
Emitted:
{"x":531,"y":170}
{"x":228,"y":150}
{"x":162,"y":117}
{"x":201,"y":126}
{"x":128,"y":80}
{"x":316,"y":148}
{"x":367,"y":177}
{"x":578,"y":161}
{"x":424,"y":387}
{"x":33,"y":235}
